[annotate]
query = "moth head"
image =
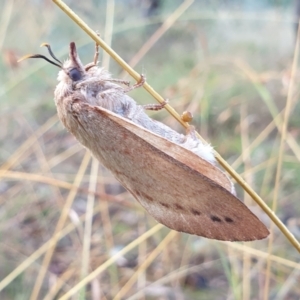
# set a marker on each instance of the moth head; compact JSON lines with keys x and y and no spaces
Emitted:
{"x":72,"y":69}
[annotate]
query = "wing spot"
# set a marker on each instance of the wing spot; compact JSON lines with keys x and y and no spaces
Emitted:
{"x":144,"y":195}
{"x":195,"y":212}
{"x":148,"y":197}
{"x":215,"y":218}
{"x":178,"y":206}
{"x":228,"y":220}
{"x":164,"y":204}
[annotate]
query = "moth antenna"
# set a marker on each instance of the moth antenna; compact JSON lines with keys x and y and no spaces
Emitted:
{"x":50,"y":51}
{"x":39,"y":56}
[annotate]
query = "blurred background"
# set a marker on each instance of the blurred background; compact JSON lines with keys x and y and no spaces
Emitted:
{"x":228,"y":62}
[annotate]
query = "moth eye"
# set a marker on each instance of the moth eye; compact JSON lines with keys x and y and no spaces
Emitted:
{"x":75,"y":74}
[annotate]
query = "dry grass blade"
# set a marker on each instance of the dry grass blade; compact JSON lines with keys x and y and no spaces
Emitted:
{"x":39,"y":252}
{"x":247,"y":162}
{"x":60,"y":224}
{"x":110,"y":261}
{"x":157,"y":35}
{"x":287,"y":113}
{"x":28,"y":144}
{"x":143,"y":267}
{"x":89,"y":220}
{"x":262,"y":254}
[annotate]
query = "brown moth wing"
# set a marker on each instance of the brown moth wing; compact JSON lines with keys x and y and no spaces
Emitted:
{"x":180,"y":154}
{"x":178,"y":188}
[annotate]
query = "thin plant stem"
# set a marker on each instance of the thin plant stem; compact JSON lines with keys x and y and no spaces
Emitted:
{"x":280,"y":156}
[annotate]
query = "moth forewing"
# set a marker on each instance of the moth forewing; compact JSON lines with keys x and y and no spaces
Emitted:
{"x":177,"y":152}
{"x":190,"y":197}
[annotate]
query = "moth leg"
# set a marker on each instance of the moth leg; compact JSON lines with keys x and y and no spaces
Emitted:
{"x":95,"y":80}
{"x":126,"y":82}
{"x":85,"y":82}
{"x":96,"y":56}
{"x":155,"y":106}
{"x":137,"y":85}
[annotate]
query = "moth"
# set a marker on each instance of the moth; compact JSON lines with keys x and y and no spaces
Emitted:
{"x":173,"y":176}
